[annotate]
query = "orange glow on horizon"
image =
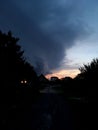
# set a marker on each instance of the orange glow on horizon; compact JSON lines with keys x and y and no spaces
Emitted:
{"x":63,"y":73}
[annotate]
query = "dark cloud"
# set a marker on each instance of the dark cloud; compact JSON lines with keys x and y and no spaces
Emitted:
{"x":46,"y":29}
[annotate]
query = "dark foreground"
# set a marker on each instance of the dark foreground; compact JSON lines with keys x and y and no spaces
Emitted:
{"x":49,"y":112}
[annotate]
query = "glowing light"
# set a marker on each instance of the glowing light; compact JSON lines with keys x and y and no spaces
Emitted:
{"x":25,"y":81}
{"x":21,"y":81}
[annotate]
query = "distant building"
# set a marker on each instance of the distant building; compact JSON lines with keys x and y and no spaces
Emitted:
{"x":54,"y":78}
{"x":42,"y":78}
{"x":66,"y":79}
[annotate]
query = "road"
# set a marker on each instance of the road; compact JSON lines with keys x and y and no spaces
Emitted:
{"x":51,"y":111}
{"x":50,"y":89}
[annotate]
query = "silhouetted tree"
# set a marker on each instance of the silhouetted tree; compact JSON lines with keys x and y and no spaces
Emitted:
{"x":13,"y":66}
{"x":90,"y":71}
{"x":87,"y":80}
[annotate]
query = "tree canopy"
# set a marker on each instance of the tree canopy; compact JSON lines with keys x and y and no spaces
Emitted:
{"x":90,"y":71}
{"x":13,"y":66}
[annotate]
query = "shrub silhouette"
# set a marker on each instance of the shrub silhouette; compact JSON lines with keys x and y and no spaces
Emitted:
{"x":87,"y":80}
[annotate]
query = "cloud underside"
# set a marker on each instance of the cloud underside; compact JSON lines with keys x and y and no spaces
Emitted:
{"x":46,"y":29}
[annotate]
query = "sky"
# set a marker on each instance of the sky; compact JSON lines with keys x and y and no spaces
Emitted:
{"x":57,"y":36}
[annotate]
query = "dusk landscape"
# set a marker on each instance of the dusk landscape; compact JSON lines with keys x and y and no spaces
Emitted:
{"x":48,"y":64}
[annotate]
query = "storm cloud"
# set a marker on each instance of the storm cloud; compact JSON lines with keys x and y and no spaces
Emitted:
{"x":46,"y":28}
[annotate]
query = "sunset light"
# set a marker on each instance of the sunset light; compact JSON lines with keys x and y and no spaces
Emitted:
{"x":63,"y":73}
